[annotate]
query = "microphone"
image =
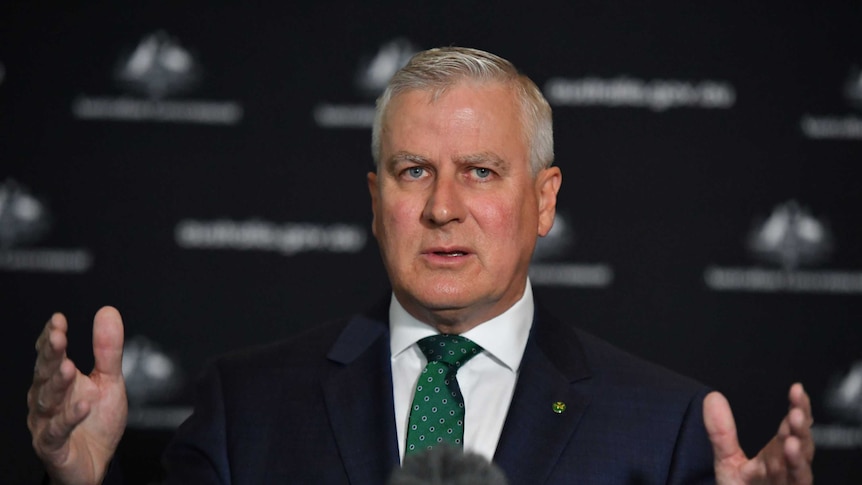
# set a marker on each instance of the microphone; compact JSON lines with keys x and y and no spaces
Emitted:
{"x":447,"y":465}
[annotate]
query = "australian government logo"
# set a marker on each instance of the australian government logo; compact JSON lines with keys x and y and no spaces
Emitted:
{"x":372,"y":76}
{"x":549,"y":269}
{"x":289,"y":238}
{"x":846,"y":126}
{"x":792,"y":241}
{"x":154,"y":379}
{"x":629,"y":92}
{"x":25,"y":221}
{"x":841,"y":427}
{"x":156,"y":76}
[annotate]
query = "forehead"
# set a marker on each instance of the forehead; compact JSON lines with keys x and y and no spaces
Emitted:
{"x":469,"y":115}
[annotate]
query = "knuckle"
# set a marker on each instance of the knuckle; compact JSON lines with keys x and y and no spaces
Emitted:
{"x":52,"y":433}
{"x":775,"y":468}
{"x":39,"y":374}
{"x":39,"y":403}
{"x":31,"y":424}
{"x":32,"y":405}
{"x":37,"y":446}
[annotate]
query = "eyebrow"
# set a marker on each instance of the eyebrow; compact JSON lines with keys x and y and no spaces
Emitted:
{"x":403,"y":157}
{"x":406,"y":157}
{"x":483,"y":158}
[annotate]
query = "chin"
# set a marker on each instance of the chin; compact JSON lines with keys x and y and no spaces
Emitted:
{"x":441,"y":296}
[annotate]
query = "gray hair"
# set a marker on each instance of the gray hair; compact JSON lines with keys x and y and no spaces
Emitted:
{"x":436,"y":70}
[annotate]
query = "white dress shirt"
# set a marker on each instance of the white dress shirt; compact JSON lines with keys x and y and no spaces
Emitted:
{"x":487,"y":380}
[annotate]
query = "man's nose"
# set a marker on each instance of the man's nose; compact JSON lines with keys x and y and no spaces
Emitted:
{"x":445,"y":202}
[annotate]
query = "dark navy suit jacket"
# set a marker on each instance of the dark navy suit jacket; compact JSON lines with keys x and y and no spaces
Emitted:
{"x":317,"y":409}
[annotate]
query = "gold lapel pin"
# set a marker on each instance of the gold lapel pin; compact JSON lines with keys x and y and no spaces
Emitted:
{"x":558,"y":407}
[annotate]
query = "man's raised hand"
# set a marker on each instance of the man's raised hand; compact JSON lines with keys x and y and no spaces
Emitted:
{"x":785,"y":460}
{"x":76,"y":420}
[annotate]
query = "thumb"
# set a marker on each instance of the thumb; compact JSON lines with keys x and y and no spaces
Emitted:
{"x":108,"y":342}
{"x":721,"y":428}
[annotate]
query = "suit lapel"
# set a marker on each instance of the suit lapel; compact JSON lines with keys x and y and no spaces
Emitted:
{"x":553,"y":370}
{"x":358,"y":397}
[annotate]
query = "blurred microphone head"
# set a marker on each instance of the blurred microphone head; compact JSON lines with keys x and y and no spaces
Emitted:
{"x":447,"y":465}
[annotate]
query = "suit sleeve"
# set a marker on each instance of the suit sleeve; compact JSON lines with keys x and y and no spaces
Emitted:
{"x":692,"y":457}
{"x":198,"y":453}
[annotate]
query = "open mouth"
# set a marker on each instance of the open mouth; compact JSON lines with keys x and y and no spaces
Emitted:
{"x":450,"y":254}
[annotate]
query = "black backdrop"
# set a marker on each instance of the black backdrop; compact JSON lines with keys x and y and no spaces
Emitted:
{"x":201,"y":167}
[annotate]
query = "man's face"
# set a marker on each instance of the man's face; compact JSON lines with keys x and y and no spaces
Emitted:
{"x":456,"y":207}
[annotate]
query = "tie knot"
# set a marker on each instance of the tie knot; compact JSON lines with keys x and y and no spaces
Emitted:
{"x":451,"y":349}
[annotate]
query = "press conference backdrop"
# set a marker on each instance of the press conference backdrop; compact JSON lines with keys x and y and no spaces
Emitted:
{"x":201,"y":167}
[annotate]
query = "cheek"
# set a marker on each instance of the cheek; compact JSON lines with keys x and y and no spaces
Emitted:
{"x":504,"y":217}
{"x":397,"y":220}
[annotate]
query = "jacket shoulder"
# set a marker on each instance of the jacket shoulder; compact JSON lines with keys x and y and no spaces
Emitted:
{"x":614,"y":365}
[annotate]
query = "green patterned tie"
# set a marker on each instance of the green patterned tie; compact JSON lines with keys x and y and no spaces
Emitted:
{"x":437,"y":414}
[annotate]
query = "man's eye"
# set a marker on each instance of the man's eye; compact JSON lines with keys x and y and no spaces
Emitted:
{"x":482,"y":172}
{"x":415,"y":172}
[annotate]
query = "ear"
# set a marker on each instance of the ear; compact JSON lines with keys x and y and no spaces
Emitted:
{"x":374,"y":192}
{"x":548,"y":183}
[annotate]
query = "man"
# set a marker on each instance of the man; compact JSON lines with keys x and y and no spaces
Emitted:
{"x":463,"y":187}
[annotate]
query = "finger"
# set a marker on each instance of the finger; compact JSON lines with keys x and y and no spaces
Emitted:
{"x":51,"y":348}
{"x":108,"y":342}
{"x":798,"y":465}
{"x":800,"y":399}
{"x":721,"y":428}
{"x":800,"y":430}
{"x":58,"y":322}
{"x":56,"y":390}
{"x":784,"y":428}
{"x":56,"y":434}
{"x":45,"y":401}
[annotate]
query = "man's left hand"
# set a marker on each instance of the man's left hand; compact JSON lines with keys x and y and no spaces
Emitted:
{"x":785,"y":460}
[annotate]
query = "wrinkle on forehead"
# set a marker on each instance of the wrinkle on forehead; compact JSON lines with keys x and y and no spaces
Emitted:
{"x":467,"y":121}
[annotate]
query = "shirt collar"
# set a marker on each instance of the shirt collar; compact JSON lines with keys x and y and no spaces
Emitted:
{"x":503,"y":337}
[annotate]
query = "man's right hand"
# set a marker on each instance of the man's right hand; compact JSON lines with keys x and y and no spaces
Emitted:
{"x":76,"y":420}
